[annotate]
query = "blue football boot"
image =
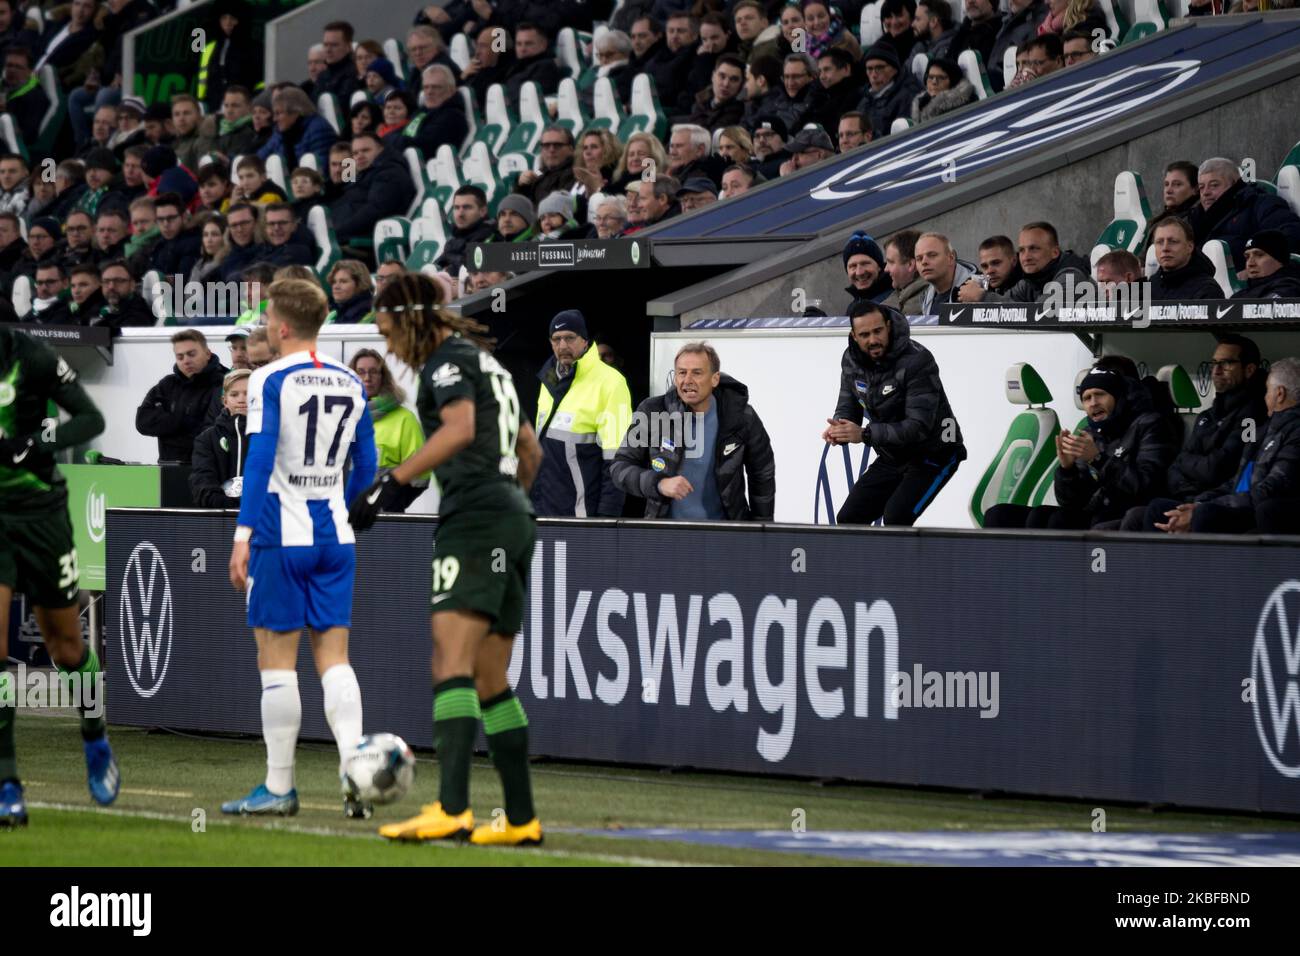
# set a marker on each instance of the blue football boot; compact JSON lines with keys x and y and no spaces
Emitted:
{"x":262,"y":802}
{"x":13,"y":810}
{"x":102,"y":774}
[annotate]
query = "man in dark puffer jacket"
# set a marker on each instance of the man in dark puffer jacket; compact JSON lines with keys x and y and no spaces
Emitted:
{"x":1264,"y":494}
{"x":910,"y":424}
{"x":1185,"y":272}
{"x":177,"y":409}
{"x":1118,"y":461}
{"x":1270,"y":273}
{"x":699,"y":472}
{"x":1042,"y":261}
{"x":216,"y":474}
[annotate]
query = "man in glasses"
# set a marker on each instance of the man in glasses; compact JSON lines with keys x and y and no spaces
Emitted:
{"x":245,"y":247}
{"x":1039,"y":57}
{"x":49,"y":296}
{"x":556,"y":150}
{"x":179,"y":248}
{"x":442,"y":121}
{"x":1078,"y":47}
{"x":1223,"y":432}
{"x":286,"y":244}
{"x":78,"y":233}
{"x":890,"y":89}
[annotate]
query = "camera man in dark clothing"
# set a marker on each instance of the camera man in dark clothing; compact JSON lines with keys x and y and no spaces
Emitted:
{"x":910,"y":425}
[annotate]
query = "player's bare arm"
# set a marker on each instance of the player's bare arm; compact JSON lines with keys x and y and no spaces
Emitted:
{"x":456,"y":433}
{"x":529,"y":450}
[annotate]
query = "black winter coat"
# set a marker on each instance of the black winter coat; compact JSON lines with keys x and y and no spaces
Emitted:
{"x":176,"y":410}
{"x":454,"y":252}
{"x":888,"y":105}
{"x":177,"y":256}
{"x":1241,"y":212}
{"x":1213,"y":449}
{"x":743,"y":454}
{"x":1193,"y":281}
{"x":902,"y":397}
{"x":1274,"y":464}
{"x":1031,"y":288}
{"x":1015,"y":30}
{"x":240,"y":258}
{"x":384,"y":189}
{"x":430,"y":129}
{"x":1131,"y":470}
{"x":1283,"y":284}
{"x":340,"y":79}
{"x":667,"y":69}
{"x":132,"y":311}
{"x":291,"y":253}
{"x":541,"y":69}
{"x":219,"y":455}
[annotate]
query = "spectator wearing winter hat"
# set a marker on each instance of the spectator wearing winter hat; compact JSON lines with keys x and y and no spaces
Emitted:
{"x":555,"y":219}
{"x":583,"y":410}
{"x":381,"y":80}
{"x":1119,"y":460}
{"x":516,"y":220}
{"x":807,"y":147}
{"x":864,"y":263}
{"x":158,"y":125}
{"x":1270,"y":272}
{"x":43,"y":236}
{"x":101,"y":168}
{"x":696,"y":193}
{"x":263,"y":120}
{"x":890,"y":89}
{"x":156,"y":161}
{"x":946,"y":89}
{"x":770,"y":149}
{"x":130,"y":129}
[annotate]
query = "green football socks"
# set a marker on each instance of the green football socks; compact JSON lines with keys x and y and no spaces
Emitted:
{"x":506,"y":726}
{"x":91,"y":702}
{"x":455,"y":722}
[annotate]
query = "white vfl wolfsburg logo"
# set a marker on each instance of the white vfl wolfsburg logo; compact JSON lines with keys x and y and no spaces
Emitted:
{"x":145,"y":619}
{"x":1277,"y":638}
{"x":95,"y":515}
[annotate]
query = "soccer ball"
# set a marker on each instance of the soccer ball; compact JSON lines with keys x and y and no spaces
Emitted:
{"x":380,"y":770}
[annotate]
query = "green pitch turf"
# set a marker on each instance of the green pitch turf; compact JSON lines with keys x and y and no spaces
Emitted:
{"x":173,"y":783}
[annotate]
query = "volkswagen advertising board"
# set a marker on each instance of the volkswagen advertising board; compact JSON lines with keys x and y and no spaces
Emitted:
{"x":1054,"y":665}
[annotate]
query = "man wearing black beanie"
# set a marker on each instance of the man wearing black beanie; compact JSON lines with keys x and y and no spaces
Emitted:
{"x":865,"y":265}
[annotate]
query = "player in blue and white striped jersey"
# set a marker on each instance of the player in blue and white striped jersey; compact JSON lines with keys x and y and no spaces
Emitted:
{"x":294,"y":551}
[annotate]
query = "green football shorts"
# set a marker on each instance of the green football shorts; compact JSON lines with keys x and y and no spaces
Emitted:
{"x":480,"y":563}
{"x":38,"y":559}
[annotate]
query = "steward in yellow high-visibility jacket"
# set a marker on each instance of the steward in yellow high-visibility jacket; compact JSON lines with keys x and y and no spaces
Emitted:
{"x":583,"y":411}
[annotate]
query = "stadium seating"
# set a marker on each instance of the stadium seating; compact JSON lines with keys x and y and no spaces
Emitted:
{"x":1045,"y":491}
{"x":646,"y":115}
{"x":308,"y":161}
{"x":870,"y":29}
{"x":428,"y":237}
{"x":445,"y":175}
{"x":1132,"y":213}
{"x":471,"y":116}
{"x":1149,"y":17}
{"x":392,"y":239}
{"x":327,"y":105}
{"x":322,"y":230}
{"x":1027,"y":451}
{"x":1183,"y":392}
{"x":396,"y":55}
{"x":52,"y":122}
{"x":460,"y":51}
{"x":415,"y":167}
{"x":1008,"y":67}
{"x":566,"y":51}
{"x":1217,"y":251}
{"x":275,"y":172}
{"x":569,"y":112}
{"x":1116,"y":25}
{"x":900,"y":125}
{"x":607,"y":113}
{"x":972,"y":68}
{"x":480,"y":170}
{"x":358,"y":96}
{"x":496,"y":120}
{"x":13,"y":139}
{"x":520,"y":148}
{"x":20,"y":296}
{"x":918,"y":65}
{"x":149,"y":291}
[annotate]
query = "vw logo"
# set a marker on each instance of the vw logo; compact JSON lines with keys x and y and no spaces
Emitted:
{"x":145,"y":619}
{"x":1275,"y":674}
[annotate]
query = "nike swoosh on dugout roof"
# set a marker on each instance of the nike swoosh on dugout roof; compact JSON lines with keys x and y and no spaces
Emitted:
{"x":18,"y":459}
{"x":1220,"y":313}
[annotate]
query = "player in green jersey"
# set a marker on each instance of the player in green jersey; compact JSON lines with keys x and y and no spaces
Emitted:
{"x":37,"y":556}
{"x":481,"y":455}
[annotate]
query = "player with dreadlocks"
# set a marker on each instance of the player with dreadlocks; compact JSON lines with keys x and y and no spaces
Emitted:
{"x":481,"y":455}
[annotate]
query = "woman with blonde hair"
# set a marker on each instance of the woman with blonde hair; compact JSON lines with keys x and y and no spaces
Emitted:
{"x":351,"y":291}
{"x":1063,"y":15}
{"x":735,"y":145}
{"x":398,"y":435}
{"x":599,"y":152}
{"x":641,"y":148}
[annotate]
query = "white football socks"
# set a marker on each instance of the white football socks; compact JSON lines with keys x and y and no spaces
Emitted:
{"x":343,"y":707}
{"x":281,"y":720}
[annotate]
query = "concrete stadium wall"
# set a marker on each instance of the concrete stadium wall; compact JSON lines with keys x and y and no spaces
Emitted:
{"x":289,"y":37}
{"x":1076,"y":198}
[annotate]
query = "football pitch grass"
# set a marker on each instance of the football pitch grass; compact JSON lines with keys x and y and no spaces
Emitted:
{"x":169,"y":778}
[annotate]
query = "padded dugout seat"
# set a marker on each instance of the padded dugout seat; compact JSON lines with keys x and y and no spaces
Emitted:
{"x":972,"y":68}
{"x":1182,"y":390}
{"x":1045,"y":491}
{"x":1132,"y":212}
{"x":1027,"y":451}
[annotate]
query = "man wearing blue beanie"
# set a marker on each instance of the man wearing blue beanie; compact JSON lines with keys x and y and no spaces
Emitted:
{"x":864,"y":264}
{"x":582,"y":412}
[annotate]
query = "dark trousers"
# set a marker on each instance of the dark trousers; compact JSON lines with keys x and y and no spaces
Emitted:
{"x":898,"y":492}
{"x":1042,"y":516}
{"x":1208,"y":518}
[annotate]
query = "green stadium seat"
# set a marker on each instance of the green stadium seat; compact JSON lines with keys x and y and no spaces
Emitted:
{"x":308,"y":161}
{"x":1008,"y":67}
{"x":275,"y":172}
{"x":460,"y":51}
{"x":495,"y":128}
{"x":419,"y":176}
{"x":900,"y":125}
{"x":20,"y":295}
{"x":428,"y":239}
{"x":1288,"y":186}
{"x":392,"y":239}
{"x":566,"y":51}
{"x":569,"y":112}
{"x":1116,"y":25}
{"x":1182,"y":390}
{"x":918,"y":65}
{"x":525,"y":134}
{"x":1132,"y":212}
{"x":606,"y":111}
{"x":13,"y":139}
{"x":480,"y":170}
{"x":1027,"y":451}
{"x":1225,"y":273}
{"x":396,"y":54}
{"x":52,"y":121}
{"x":444,"y":172}
{"x":327,"y":105}
{"x":322,"y":230}
{"x":870,"y":28}
{"x":972,"y":68}
{"x":1044,"y":492}
{"x":646,"y":115}
{"x":358,"y":96}
{"x":472,"y":117}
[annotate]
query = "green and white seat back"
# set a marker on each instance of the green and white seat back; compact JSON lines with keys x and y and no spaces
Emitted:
{"x":566,"y":51}
{"x":151,"y":291}
{"x":52,"y":121}
{"x":419,"y":176}
{"x":1225,"y":273}
{"x":1288,"y":186}
{"x":646,"y":115}
{"x":1132,"y":212}
{"x":569,"y":112}
{"x":460,"y":51}
{"x":918,"y":65}
{"x":275,"y":172}
{"x":12,"y":138}
{"x":520,"y":148}
{"x":445,"y":173}
{"x":20,"y":296}
{"x":495,"y":129}
{"x":308,"y":161}
{"x":472,"y":117}
{"x":1182,"y":390}
{"x":480,"y":170}
{"x":392,"y":239}
{"x":321,"y":228}
{"x":1149,"y":16}
{"x":900,"y":124}
{"x":1045,"y":491}
{"x":358,"y":96}
{"x":1008,"y":67}
{"x":396,"y":55}
{"x":972,"y":68}
{"x":1116,"y":25}
{"x":605,"y":108}
{"x":870,"y":28}
{"x":428,"y":238}
{"x":1028,"y":449}
{"x":1151,"y":265}
{"x":327,"y":105}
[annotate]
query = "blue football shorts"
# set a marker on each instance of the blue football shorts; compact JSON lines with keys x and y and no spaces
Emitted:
{"x":296,"y":587}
